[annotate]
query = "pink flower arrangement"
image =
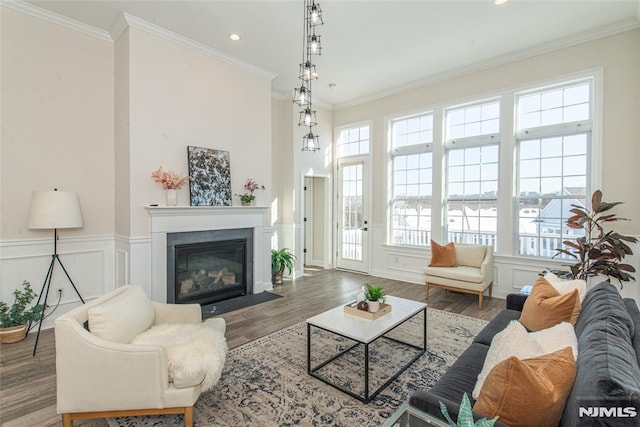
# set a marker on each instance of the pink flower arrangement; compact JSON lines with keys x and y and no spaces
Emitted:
{"x":169,"y":179}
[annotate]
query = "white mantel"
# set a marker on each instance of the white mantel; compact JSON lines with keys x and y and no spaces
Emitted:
{"x":178,"y":219}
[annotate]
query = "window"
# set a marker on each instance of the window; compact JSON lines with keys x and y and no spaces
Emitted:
{"x":553,"y":134}
{"x":411,"y":178}
{"x":353,"y":141}
{"x":448,"y":182}
{"x":472,"y":173}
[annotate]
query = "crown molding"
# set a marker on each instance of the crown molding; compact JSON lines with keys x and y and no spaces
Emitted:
{"x":585,"y":37}
{"x":56,"y":18}
{"x":127,"y":20}
{"x":163,"y":33}
{"x":281,"y":96}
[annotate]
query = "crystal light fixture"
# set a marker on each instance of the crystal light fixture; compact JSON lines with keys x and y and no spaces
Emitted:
{"x":311,"y":45}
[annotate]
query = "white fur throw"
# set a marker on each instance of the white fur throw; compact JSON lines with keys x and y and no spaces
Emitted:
{"x":192,"y":350}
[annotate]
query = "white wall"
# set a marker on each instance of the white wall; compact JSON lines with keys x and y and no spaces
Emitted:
{"x":618,"y":56}
{"x":180,"y":97}
{"x":290,"y":166}
{"x":83,"y":113}
{"x":57,"y":132}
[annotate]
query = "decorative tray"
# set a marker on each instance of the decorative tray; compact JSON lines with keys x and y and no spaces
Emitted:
{"x":351,"y":309}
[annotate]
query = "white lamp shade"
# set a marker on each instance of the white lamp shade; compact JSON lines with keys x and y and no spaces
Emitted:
{"x":54,"y":209}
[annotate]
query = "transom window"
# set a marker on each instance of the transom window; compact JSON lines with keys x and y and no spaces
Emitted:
{"x":353,"y":141}
{"x":411,"y":177}
{"x":473,"y":120}
{"x":565,"y":104}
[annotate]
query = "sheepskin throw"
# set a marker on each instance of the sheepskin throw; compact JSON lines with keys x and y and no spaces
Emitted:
{"x":192,"y":350}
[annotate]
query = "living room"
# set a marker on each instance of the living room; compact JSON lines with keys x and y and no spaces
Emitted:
{"x":96,"y":112}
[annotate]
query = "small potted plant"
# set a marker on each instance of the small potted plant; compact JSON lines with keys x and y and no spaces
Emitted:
{"x":281,"y":259}
{"x":374,"y":295}
{"x":251,"y":186}
{"x":15,"y":319}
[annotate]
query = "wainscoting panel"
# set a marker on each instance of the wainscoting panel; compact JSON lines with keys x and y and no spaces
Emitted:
{"x":90,"y":262}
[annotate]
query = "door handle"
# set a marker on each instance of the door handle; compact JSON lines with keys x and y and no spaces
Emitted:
{"x":364,"y":229}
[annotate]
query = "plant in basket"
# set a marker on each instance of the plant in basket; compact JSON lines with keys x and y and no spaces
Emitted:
{"x":15,"y":319}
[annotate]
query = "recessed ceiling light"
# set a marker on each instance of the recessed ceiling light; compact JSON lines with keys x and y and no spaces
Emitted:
{"x":235,"y":37}
{"x":500,"y":1}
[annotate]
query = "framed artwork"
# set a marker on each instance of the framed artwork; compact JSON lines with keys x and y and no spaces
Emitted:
{"x":210,"y":174}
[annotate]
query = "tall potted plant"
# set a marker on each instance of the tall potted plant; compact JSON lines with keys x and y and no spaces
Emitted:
{"x":15,"y":319}
{"x":598,"y":252}
{"x":281,"y":259}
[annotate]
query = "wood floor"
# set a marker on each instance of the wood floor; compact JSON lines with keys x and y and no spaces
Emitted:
{"x":28,"y":384}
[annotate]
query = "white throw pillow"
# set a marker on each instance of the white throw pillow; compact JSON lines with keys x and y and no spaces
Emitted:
{"x":566,"y":286}
{"x":122,"y":317}
{"x":195,"y":352}
{"x":551,"y":278}
{"x":556,"y":338}
{"x":511,"y":341}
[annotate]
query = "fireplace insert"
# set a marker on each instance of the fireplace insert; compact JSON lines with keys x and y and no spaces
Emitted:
{"x":209,"y":266}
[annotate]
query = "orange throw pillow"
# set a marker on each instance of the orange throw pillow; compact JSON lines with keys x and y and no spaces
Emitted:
{"x":442,"y":256}
{"x":546,"y":307}
{"x":529,"y":392}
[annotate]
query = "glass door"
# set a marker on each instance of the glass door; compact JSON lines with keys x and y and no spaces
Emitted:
{"x":353,"y":223}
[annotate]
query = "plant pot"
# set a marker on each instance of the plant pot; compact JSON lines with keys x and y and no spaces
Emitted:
{"x":13,"y":334}
{"x":277,"y":278}
{"x":374,"y":306}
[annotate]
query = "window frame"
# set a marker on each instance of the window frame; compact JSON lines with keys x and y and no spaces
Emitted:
{"x":541,"y":132}
{"x":461,"y":143}
{"x":408,"y":150}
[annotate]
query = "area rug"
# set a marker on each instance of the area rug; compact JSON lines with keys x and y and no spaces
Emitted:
{"x":265,"y":382}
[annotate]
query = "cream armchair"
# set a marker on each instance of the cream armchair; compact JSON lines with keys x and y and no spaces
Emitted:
{"x":473,"y":272}
{"x":101,"y":374}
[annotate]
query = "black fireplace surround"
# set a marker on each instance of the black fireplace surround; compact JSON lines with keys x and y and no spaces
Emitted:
{"x":205,"y":267}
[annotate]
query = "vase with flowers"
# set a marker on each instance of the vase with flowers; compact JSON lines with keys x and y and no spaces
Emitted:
{"x":171,"y":182}
{"x":251,"y":186}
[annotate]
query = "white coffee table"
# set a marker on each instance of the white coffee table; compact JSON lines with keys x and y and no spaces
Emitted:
{"x":365,"y":332}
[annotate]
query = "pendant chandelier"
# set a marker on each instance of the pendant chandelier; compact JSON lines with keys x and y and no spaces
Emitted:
{"x":311,"y":45}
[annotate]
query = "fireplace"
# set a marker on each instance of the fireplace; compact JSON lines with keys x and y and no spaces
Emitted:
{"x":205,"y":267}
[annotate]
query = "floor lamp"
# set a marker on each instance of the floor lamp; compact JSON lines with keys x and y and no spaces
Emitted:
{"x":53,"y":210}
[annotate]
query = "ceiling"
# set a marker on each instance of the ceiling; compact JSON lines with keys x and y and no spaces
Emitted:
{"x":373,"y":47}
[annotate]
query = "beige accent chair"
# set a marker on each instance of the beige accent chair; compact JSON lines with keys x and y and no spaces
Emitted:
{"x":472,"y":274}
{"x":100,"y":374}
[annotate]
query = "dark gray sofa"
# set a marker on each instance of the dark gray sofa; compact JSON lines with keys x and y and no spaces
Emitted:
{"x":607,"y":384}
